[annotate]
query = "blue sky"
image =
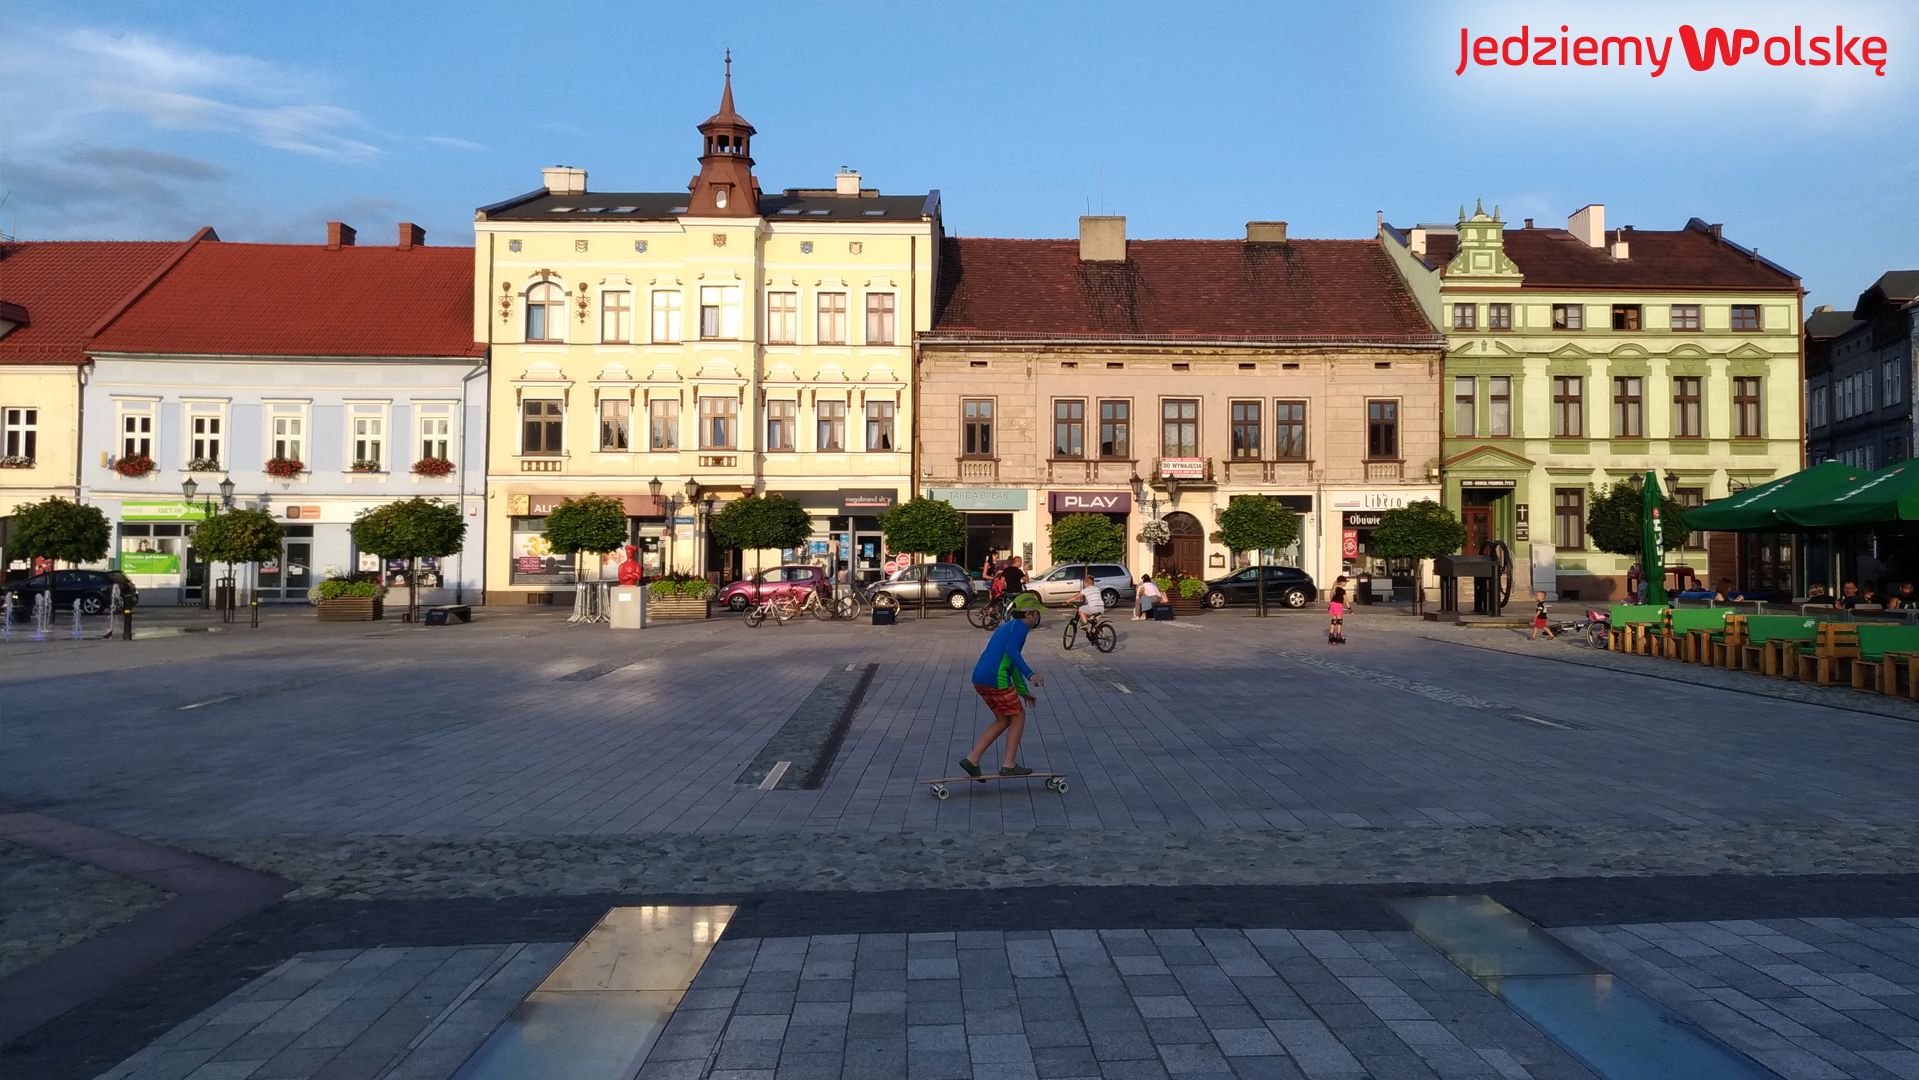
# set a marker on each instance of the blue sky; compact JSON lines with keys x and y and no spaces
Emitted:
{"x":146,"y":120}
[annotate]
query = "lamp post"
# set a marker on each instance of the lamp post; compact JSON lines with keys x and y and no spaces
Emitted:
{"x":188,"y":489}
{"x":706,"y":526}
{"x":653,"y":488}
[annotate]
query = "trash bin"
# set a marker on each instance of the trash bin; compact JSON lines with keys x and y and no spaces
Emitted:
{"x":628,"y":608}
{"x":1363,"y":592}
{"x":223,"y":594}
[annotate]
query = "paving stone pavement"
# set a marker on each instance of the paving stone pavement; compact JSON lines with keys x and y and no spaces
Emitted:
{"x":51,"y":903}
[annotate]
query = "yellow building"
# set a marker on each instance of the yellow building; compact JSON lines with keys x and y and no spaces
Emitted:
{"x":681,"y":349}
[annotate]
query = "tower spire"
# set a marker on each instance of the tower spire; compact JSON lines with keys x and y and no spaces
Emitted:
{"x":725,"y":186}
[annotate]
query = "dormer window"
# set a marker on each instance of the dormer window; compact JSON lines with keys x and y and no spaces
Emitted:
{"x":719,"y":197}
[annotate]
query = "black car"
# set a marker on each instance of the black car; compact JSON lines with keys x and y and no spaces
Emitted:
{"x":938,"y":583}
{"x":93,"y":588}
{"x":1288,"y":586}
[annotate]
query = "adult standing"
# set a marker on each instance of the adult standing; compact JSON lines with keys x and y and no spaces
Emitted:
{"x":1635,"y":580}
{"x":1013,"y":575}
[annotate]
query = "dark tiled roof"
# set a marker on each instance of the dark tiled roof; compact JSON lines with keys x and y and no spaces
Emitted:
{"x":1212,"y":290}
{"x":665,"y":206}
{"x":1821,"y":325}
{"x":1688,"y":258}
{"x":1898,"y":285}
{"x":66,"y":288}
{"x":304,"y":300}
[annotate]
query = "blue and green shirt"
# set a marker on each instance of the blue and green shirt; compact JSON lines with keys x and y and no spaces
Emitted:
{"x":1001,"y":665}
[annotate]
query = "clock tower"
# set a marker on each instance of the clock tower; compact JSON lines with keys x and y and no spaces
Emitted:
{"x":725,"y":186}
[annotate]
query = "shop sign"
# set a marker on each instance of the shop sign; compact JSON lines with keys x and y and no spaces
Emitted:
{"x":169,"y":510}
{"x":303,"y":513}
{"x":981,"y":498}
{"x":1522,"y":522}
{"x":1349,"y":543}
{"x":149,"y":562}
{"x":1090,"y":502}
{"x":1182,"y":468}
{"x":867,"y":502}
{"x":636,"y":505}
{"x":1471,"y":483}
{"x":1376,"y":500}
{"x":1363,"y":520}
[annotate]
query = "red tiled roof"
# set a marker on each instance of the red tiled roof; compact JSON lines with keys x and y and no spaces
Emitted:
{"x":305,"y":300}
{"x":1210,"y":290}
{"x":1681,"y":259}
{"x":66,"y":287}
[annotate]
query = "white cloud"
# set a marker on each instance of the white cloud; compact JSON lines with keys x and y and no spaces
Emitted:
{"x":453,"y":142}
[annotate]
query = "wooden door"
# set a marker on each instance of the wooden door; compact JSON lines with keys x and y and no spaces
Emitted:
{"x":1185,"y":553}
{"x":1478,"y":521}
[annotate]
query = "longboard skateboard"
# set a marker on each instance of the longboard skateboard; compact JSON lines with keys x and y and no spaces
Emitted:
{"x":1055,"y":781}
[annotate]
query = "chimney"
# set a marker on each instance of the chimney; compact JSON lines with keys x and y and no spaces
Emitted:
{"x":1588,"y":225}
{"x":1102,"y":239}
{"x":338,"y":235}
{"x":1416,"y":240}
{"x":1620,"y":249}
{"x":1265,"y":232}
{"x":411,"y":236}
{"x":1714,"y":230}
{"x":1529,"y":223}
{"x":847,"y":182}
{"x":563,"y":180}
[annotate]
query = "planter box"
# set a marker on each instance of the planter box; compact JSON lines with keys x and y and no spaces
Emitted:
{"x":1182,"y":605}
{"x":678,"y":607}
{"x":352,"y":609}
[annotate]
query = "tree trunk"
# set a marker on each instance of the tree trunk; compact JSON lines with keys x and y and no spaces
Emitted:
{"x":1419,"y":586}
{"x":926,"y":583}
{"x":412,"y":589}
{"x":1259,"y":567}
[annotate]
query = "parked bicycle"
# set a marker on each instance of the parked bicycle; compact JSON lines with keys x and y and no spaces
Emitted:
{"x":1098,"y":631}
{"x":781,"y":608}
{"x":988,"y":614}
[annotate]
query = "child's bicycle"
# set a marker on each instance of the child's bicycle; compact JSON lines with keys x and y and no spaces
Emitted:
{"x":781,"y":608}
{"x":1596,"y":628}
{"x":1101,"y":633}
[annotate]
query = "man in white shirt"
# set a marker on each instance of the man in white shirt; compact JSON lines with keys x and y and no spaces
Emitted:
{"x":1148,"y":598}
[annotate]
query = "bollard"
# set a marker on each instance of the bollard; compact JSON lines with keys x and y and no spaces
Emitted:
{"x":126,"y":623}
{"x":255,"y":601}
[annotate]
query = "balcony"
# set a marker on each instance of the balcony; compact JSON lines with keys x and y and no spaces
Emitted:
{"x":1292,"y":471}
{"x":542,"y":464}
{"x":719,"y":461}
{"x":978,"y":470}
{"x":1090,"y":471}
{"x":1387,"y":472}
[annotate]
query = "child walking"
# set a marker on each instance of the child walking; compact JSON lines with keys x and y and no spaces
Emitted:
{"x":1000,"y":679}
{"x":1336,"y":608}
{"x":1541,"y":620}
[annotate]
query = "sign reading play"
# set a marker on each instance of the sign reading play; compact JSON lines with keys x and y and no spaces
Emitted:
{"x":1090,"y":502}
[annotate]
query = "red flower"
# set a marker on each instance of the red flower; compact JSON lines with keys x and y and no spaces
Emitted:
{"x":285,"y":468}
{"x":134,"y":465}
{"x":432,"y":466}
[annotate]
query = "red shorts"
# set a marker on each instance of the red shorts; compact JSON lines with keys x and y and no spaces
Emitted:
{"x":1541,"y":623}
{"x":1003,"y":701}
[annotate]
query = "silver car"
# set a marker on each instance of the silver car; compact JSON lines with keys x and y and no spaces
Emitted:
{"x":1061,"y":584}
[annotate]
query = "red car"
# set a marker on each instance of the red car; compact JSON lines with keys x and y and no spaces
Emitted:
{"x":795,"y":581}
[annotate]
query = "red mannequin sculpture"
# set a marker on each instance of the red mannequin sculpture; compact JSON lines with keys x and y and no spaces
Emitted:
{"x":630,"y":572}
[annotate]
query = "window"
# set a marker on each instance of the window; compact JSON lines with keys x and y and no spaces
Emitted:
{"x":832,"y":417}
{"x":366,"y":436}
{"x":1499,"y":316}
{"x":1816,"y":407}
{"x":1246,"y":428}
{"x":615,"y":415}
{"x":832,"y":318}
{"x":666,"y":316}
{"x":1746,"y":317}
{"x":1569,"y":407}
{"x":1866,"y":401}
{"x":879,"y":424}
{"x":720,"y":311}
{"x":1289,"y":433}
{"x":616,"y":316}
{"x":1745,"y":407}
{"x":542,"y":421}
{"x":1382,"y":430}
{"x":1569,"y":316}
{"x":1893,"y":381}
{"x":1569,"y":518}
{"x":1115,"y":429}
{"x":782,"y":318}
{"x":545,"y":312}
{"x":20,"y":433}
{"x":288,"y":429}
{"x":782,"y":424}
{"x":1686,"y":422}
{"x":719,"y":423}
{"x":1465,"y":316}
{"x":136,"y":433}
{"x":1625,"y":316}
{"x":879,"y":318}
{"x":1499,"y":406}
{"x":976,"y":420}
{"x":1179,"y":428}
{"x":436,"y":437}
{"x":204,"y":425}
{"x":1465,"y":406}
{"x":1692,"y":498}
{"x":1069,"y":428}
{"x":663,"y":424}
{"x":1685,"y":316}
{"x":1628,"y":407}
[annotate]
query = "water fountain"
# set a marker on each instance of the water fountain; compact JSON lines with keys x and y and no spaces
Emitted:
{"x":6,"y":617}
{"x":76,"y":627}
{"x":42,"y":615}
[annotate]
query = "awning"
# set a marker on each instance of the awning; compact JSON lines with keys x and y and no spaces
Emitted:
{"x":1883,"y":497}
{"x":1770,"y":506}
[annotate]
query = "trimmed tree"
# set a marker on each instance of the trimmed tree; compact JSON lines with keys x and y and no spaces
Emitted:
{"x":61,"y":530}
{"x":413,"y":529}
{"x":238,"y":536}
{"x":1419,"y":531}
{"x":922,"y":527}
{"x":1612,"y":519}
{"x":1254,"y":523}
{"x":1085,"y":538}
{"x":592,"y":522}
{"x":762,"y":522}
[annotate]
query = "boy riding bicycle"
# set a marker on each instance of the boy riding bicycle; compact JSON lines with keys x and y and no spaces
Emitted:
{"x":1091,"y":604}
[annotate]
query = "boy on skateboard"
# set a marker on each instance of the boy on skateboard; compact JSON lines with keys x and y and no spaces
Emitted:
{"x":1000,"y":678}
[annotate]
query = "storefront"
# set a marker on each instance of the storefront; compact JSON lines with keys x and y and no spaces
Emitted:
{"x":846,"y":538}
{"x":998,"y":523}
{"x":1116,"y":506}
{"x":154,"y":547}
{"x":531,"y":560}
{"x":1352,"y":517}
{"x":1299,"y":552}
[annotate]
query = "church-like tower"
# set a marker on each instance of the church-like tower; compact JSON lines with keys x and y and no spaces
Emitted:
{"x":725,"y":186}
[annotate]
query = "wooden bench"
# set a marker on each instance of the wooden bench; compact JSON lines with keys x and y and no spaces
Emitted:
{"x":1632,"y":627}
{"x":438,"y":616}
{"x":1885,"y":653}
{"x":1722,"y":650}
{"x":1686,"y":630}
{"x":1828,"y":657}
{"x":1767,"y":634}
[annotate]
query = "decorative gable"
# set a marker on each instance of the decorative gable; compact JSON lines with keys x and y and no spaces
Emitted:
{"x":1481,"y":258}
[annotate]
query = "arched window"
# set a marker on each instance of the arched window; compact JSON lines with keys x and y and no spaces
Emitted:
{"x":545,"y":312}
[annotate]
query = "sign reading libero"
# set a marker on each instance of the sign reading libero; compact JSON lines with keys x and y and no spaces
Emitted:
{"x":1089,"y":502}
{"x":980,"y":498}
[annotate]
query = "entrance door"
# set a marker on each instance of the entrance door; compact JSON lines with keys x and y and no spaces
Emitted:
{"x":1185,"y":553}
{"x":1478,"y":520}
{"x":289,"y":576}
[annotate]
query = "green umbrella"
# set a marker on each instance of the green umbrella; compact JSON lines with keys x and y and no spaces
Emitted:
{"x":1767,"y":506}
{"x":1889,"y":495}
{"x":1652,"y":540}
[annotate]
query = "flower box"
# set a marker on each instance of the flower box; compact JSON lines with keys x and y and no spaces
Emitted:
{"x":352,"y":609}
{"x":284,"y":468}
{"x":134,"y":466}
{"x":678,"y":607}
{"x":432,"y":466}
{"x":16,"y":462}
{"x":1185,"y":605}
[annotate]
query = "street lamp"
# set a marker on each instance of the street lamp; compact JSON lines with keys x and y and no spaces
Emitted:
{"x":188,"y":489}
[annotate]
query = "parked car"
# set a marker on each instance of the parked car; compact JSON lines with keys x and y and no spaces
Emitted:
{"x":93,"y":588}
{"x":1061,"y":584}
{"x":1285,"y":585}
{"x":939,"y":583}
{"x":794,"y":580}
